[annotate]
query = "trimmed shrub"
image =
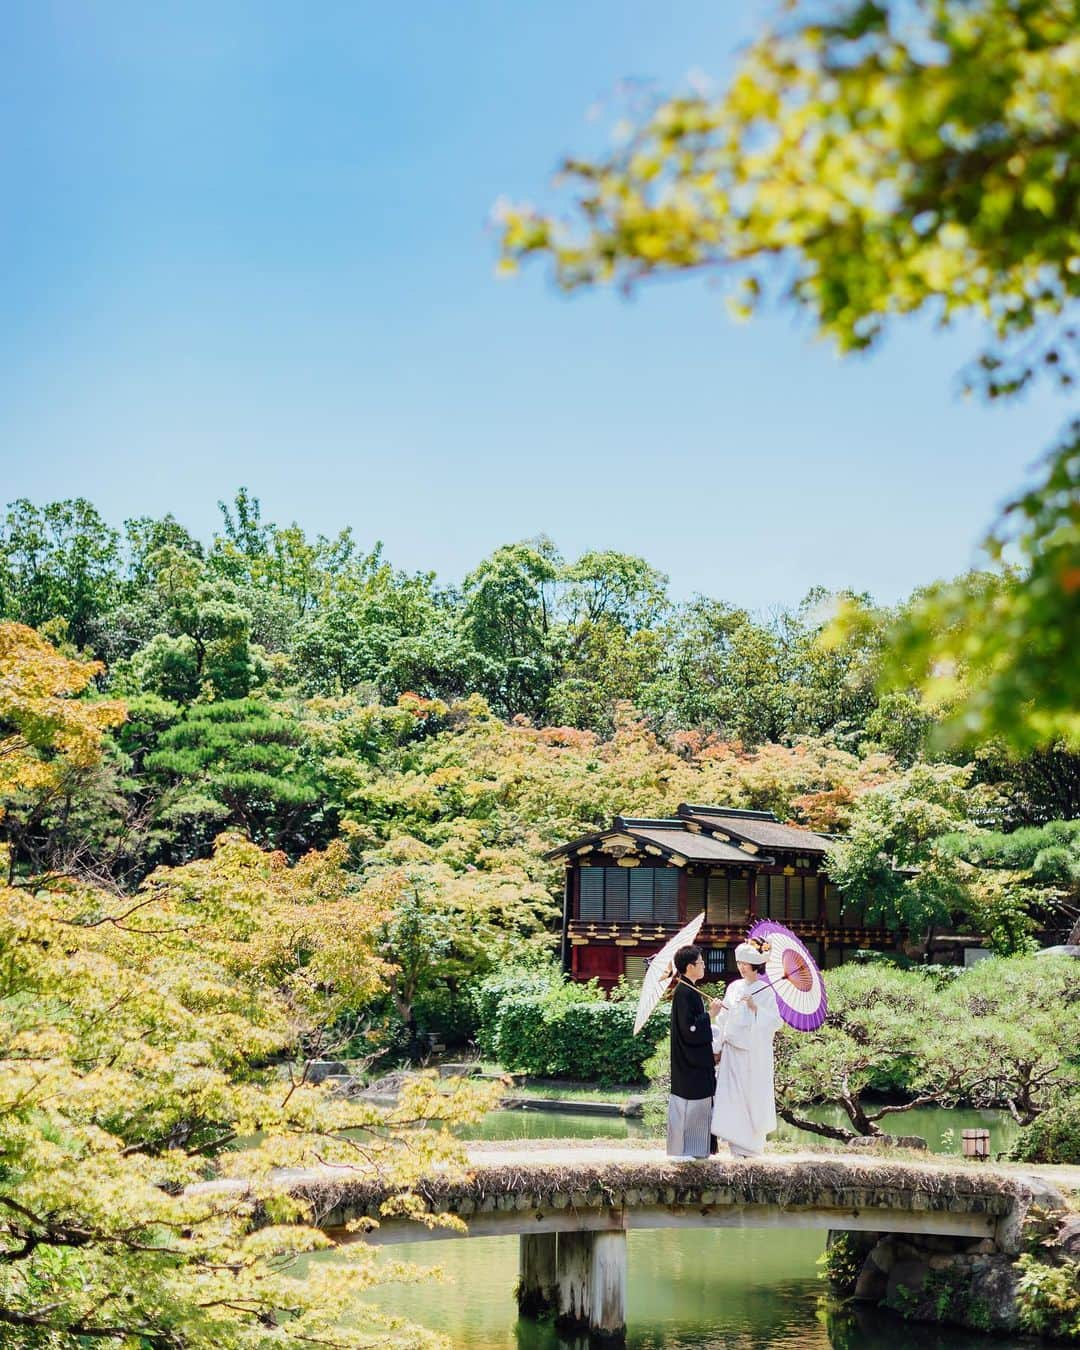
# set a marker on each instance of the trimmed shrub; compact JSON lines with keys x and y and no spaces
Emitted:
{"x":561,"y":1034}
{"x":512,"y":982}
{"x":1053,"y":1137}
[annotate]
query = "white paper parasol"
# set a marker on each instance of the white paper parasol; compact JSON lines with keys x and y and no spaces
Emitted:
{"x":658,"y":971}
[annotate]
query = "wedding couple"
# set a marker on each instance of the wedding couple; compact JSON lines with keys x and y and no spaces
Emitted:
{"x":721,"y":1059}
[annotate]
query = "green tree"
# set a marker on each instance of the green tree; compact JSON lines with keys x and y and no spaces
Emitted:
{"x":880,"y":1025}
{"x":58,"y":562}
{"x":507,"y":618}
{"x":724,"y":672}
{"x":1029,"y":877}
{"x":893,"y":859}
{"x":1016,"y":1031}
{"x":203,"y":641}
{"x":385,"y":629}
{"x":608,"y":643}
{"x":146,"y":1040}
{"x":832,"y":684}
{"x":241,"y":762}
{"x":282,"y":559}
{"x":997,"y":648}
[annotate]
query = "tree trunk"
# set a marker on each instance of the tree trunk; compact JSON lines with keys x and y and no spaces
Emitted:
{"x":816,"y":1126}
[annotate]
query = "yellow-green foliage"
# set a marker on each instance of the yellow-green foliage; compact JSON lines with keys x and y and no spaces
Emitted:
{"x":1048,"y":1298}
{"x":141,"y":1038}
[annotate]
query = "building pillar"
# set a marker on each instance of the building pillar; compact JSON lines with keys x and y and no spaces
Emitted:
{"x":536,"y":1274}
{"x":591,"y":1284}
{"x":567,"y":910}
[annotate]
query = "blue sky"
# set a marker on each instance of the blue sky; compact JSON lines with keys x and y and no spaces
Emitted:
{"x":247,"y":244}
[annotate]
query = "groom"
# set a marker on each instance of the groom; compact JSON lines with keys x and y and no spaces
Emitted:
{"x":693,"y":1078}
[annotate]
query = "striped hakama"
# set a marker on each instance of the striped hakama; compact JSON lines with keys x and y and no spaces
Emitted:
{"x":689,"y":1124}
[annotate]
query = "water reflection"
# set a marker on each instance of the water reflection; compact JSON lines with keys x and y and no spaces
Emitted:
{"x":733,"y":1289}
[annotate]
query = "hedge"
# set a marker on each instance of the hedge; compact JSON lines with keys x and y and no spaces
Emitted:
{"x":560,"y":1036}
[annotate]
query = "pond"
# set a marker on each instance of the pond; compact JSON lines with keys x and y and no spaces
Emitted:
{"x":740,"y":1289}
{"x":938,"y":1126}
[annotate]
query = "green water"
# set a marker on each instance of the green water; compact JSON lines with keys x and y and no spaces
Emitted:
{"x":732,"y":1289}
{"x":740,"y":1289}
{"x":932,"y":1123}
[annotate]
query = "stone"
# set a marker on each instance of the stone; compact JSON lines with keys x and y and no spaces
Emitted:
{"x":318,"y":1069}
{"x":991,"y":1301}
{"x":983,"y":1247}
{"x":537,"y":1283}
{"x":464,"y":1069}
{"x":907,"y":1280}
{"x":883,"y":1255}
{"x":1068,"y":1236}
{"x":607,"y":1287}
{"x":1009,"y":1234}
{"x":910,"y":1141}
{"x":871,"y":1285}
{"x":573,"y":1265}
{"x":344,"y":1084}
{"x":939,"y":1261}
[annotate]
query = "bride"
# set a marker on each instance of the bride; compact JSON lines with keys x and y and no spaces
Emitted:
{"x":745,"y":1021}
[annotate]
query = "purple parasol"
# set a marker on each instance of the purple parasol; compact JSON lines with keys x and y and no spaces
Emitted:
{"x":793,"y":974}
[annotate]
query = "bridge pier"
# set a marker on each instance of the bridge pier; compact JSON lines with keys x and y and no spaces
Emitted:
{"x":607,"y":1315}
{"x":537,"y":1281}
{"x":578,"y":1275}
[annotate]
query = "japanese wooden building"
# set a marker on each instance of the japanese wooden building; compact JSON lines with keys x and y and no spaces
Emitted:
{"x":631,"y":887}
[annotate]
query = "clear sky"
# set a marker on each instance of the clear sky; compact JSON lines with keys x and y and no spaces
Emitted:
{"x":245,"y":242}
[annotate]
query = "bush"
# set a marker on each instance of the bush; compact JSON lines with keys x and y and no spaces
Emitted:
{"x":1048,"y":1298}
{"x":510,"y":982}
{"x":449,"y":1013}
{"x":1054,"y":1137}
{"x":572,"y":1032}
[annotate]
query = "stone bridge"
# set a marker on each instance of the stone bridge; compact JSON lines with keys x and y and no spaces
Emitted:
{"x":572,"y":1207}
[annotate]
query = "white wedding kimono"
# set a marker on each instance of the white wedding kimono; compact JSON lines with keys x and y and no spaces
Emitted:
{"x":744,"y":1107}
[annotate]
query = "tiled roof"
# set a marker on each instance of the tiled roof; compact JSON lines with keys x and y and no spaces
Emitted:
{"x":758,"y":827}
{"x":670,"y":835}
{"x":694,"y":847}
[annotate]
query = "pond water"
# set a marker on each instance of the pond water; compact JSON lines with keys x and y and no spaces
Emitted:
{"x":740,"y":1289}
{"x":735,"y":1289}
{"x":939,"y":1127}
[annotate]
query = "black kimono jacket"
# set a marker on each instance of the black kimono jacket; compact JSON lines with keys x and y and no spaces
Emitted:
{"x":692,"y":1073}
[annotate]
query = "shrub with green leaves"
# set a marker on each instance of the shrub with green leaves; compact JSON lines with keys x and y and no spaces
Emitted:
{"x":1048,"y":1298}
{"x":1053,"y":1137}
{"x":572,"y":1031}
{"x":507,"y":982}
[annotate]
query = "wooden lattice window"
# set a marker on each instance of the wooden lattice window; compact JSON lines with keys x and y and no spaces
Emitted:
{"x":628,"y":895}
{"x":811,"y":898}
{"x":716,"y":962}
